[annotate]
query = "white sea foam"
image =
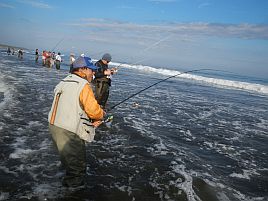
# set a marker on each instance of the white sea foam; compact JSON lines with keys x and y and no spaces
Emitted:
{"x":4,"y":196}
{"x":5,"y":90}
{"x":20,"y":153}
{"x":259,"y":88}
{"x":245,"y":175}
{"x":47,"y":191}
{"x":187,"y":185}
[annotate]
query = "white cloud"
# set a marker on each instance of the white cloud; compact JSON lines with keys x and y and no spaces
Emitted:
{"x":36,"y":4}
{"x":4,"y":5}
{"x":202,"y":5}
{"x":242,"y":31}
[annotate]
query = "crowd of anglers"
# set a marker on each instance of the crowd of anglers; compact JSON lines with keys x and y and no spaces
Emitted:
{"x":49,"y":59}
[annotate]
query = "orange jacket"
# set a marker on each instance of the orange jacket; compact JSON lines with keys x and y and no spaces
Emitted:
{"x":88,"y":102}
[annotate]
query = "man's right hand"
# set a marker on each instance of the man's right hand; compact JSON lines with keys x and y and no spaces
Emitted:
{"x":96,"y":123}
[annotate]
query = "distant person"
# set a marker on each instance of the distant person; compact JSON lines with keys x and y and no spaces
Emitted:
{"x":44,"y":55}
{"x":58,"y":61}
{"x":103,"y":79}
{"x":49,"y":60}
{"x":52,"y":59}
{"x":73,"y":117}
{"x":72,"y":59}
{"x":8,"y":51}
{"x":13,"y":51}
{"x":20,"y":54}
{"x":36,"y":55}
{"x":53,"y":55}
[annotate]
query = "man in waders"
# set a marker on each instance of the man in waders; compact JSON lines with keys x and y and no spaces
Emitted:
{"x":20,"y":54}
{"x":58,"y":61}
{"x":36,"y":55}
{"x":8,"y":51}
{"x":103,"y":79}
{"x":72,"y":59}
{"x":73,"y":117}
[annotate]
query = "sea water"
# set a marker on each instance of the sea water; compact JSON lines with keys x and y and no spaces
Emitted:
{"x":198,"y":136}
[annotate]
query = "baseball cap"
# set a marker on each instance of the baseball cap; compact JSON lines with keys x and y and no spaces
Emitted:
{"x":81,"y":62}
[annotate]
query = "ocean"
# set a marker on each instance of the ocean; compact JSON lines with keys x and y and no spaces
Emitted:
{"x":200,"y":136}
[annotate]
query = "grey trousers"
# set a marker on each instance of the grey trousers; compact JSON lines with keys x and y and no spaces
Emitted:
{"x":72,"y":151}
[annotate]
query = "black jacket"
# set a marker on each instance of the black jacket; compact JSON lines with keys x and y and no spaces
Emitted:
{"x":99,"y":75}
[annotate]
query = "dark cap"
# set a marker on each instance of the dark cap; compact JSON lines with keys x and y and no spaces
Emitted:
{"x":107,"y":57}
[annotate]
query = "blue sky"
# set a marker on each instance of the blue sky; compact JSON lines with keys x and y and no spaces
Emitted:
{"x":177,"y":34}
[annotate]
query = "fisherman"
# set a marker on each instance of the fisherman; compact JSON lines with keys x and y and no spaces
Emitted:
{"x":72,"y":59}
{"x":53,"y":55}
{"x":44,"y":56}
{"x":8,"y":51}
{"x":58,"y":61}
{"x":103,"y":79}
{"x":20,"y":54}
{"x":50,"y":59}
{"x":36,"y":55}
{"x":73,"y":117}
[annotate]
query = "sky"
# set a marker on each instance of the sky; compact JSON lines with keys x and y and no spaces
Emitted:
{"x":174,"y":34}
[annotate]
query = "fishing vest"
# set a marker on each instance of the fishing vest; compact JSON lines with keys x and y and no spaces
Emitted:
{"x":66,"y":111}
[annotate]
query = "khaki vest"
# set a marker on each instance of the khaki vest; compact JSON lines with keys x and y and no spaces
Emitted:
{"x":68,"y":113}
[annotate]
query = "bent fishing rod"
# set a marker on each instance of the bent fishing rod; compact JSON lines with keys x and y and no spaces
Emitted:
{"x":163,"y":80}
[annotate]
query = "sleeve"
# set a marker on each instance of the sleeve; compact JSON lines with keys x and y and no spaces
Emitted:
{"x":90,"y":104}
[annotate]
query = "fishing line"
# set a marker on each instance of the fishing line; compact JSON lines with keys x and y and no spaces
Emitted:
{"x":57,"y":44}
{"x":145,"y":49}
{"x":148,"y":48}
{"x":163,"y":80}
{"x":156,"y":43}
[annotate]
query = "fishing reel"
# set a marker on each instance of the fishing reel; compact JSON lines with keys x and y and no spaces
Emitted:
{"x":108,"y":120}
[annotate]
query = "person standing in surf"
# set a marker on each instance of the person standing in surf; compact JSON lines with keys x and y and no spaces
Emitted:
{"x":72,"y":59}
{"x":58,"y":61}
{"x":36,"y":55}
{"x":44,"y":57}
{"x":20,"y":54}
{"x":8,"y":51}
{"x":73,"y":117}
{"x":103,"y":79}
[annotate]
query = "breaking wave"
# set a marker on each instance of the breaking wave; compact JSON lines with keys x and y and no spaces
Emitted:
{"x":226,"y":83}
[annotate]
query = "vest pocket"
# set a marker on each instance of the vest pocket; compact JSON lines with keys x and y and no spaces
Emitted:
{"x":85,"y":130}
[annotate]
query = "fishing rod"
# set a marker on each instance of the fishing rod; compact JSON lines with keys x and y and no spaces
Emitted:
{"x":163,"y":80}
{"x":57,"y":44}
